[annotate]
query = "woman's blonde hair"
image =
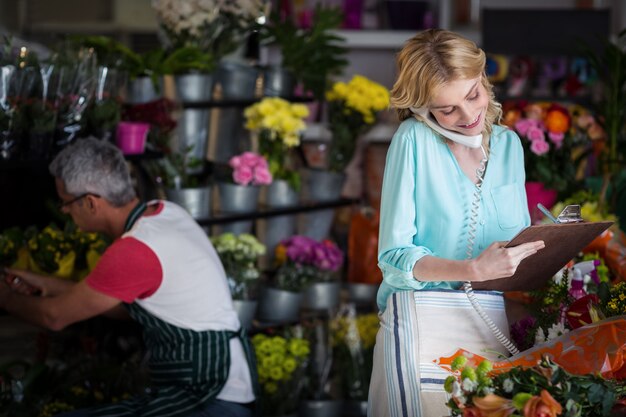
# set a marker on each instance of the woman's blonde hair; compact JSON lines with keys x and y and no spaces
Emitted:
{"x":431,"y":59}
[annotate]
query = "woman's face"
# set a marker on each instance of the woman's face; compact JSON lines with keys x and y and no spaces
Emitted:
{"x":461,"y":106}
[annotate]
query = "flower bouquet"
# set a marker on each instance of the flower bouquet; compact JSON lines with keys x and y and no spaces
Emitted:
{"x":210,"y":29}
{"x":353,"y":338}
{"x":546,"y":133}
{"x":542,"y":390}
{"x":352,"y":109}
{"x":303,"y":261}
{"x":239,"y":255}
{"x":281,"y":364}
{"x":278,"y":124}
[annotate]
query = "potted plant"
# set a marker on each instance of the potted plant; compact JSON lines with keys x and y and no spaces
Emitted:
{"x":185,"y":180}
{"x":281,"y":363}
{"x":311,"y":55}
{"x":239,"y":190}
{"x":306,"y":272}
{"x":353,"y":336}
{"x":239,"y":255}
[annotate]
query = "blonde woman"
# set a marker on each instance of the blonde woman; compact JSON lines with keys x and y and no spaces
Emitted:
{"x":453,"y":194}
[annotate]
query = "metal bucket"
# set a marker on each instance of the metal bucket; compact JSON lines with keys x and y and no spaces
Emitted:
{"x":246,"y":311}
{"x":197,"y":201}
{"x":234,"y":198}
{"x":322,"y":296}
{"x":278,"y":82}
{"x":320,"y":186}
{"x":279,"y":306}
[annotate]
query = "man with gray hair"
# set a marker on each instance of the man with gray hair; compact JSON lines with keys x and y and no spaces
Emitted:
{"x":163,"y":272}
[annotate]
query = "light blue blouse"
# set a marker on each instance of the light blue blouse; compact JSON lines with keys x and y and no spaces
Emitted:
{"x":426,"y":201}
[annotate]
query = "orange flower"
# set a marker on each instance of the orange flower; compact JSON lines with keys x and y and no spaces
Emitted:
{"x":280,"y":254}
{"x":557,"y":121}
{"x":492,"y":405}
{"x":511,"y":117}
{"x":542,"y":406}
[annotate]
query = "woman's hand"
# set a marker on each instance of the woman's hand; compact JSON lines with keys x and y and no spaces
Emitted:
{"x":498,"y":261}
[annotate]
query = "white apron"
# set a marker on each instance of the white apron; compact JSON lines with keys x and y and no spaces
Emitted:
{"x":418,"y":327}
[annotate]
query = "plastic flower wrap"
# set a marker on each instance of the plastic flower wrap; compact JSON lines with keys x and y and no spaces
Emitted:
{"x":545,"y":130}
{"x":281,"y":364}
{"x":278,"y":124}
{"x":352,"y":109}
{"x":51,"y":251}
{"x":353,"y":337}
{"x":302,"y":261}
{"x":239,"y":255}
{"x":13,"y":251}
{"x":250,"y":168}
{"x":214,"y":26}
{"x":543,"y":390}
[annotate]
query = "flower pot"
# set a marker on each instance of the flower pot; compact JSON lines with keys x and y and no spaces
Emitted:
{"x":322,"y":296}
{"x":142,"y":90}
{"x":279,"y":306}
{"x":278,"y":82}
{"x":131,"y":137}
{"x":362,"y":293}
{"x":197,"y":201}
{"x":234,"y":198}
{"x":536,"y":193}
{"x":320,"y":186}
{"x":321,"y":408}
{"x":246,"y":311}
{"x":193,"y":125}
{"x":355,"y":408}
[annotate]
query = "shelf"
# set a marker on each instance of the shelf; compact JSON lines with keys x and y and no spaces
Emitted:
{"x":272,"y":212}
{"x":237,"y":102}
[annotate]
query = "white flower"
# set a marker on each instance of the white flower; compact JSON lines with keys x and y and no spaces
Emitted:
{"x":508,"y":385}
{"x":539,"y":336}
{"x":469,"y":385}
{"x":557,"y":329}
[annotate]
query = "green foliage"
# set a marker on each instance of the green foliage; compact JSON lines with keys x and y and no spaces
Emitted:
{"x":610,"y":65}
{"x":311,"y":55}
{"x":188,"y":59}
{"x":578,"y":395}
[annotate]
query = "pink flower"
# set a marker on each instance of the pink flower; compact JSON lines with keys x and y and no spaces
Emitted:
{"x":535,"y":133}
{"x":557,"y":138}
{"x":250,"y":159}
{"x":523,"y":125}
{"x":262,"y":176}
{"x":540,"y":147}
{"x":242,"y":175}
{"x":235,"y":162}
{"x":250,"y":167}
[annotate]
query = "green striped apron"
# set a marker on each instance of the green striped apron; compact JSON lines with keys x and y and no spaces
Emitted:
{"x":187,"y":368}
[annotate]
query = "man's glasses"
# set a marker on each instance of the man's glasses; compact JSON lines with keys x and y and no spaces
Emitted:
{"x":63,"y":204}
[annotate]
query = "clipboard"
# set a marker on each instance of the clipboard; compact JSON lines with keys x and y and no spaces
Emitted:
{"x":563,"y":242}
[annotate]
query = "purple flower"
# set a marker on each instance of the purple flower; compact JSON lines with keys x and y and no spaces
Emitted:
{"x":520,"y":330}
{"x":304,"y":250}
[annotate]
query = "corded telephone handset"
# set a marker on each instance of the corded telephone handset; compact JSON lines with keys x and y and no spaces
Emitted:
{"x":472,"y":142}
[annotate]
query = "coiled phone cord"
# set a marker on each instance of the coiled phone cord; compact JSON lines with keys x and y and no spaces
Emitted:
{"x":467,"y":286}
